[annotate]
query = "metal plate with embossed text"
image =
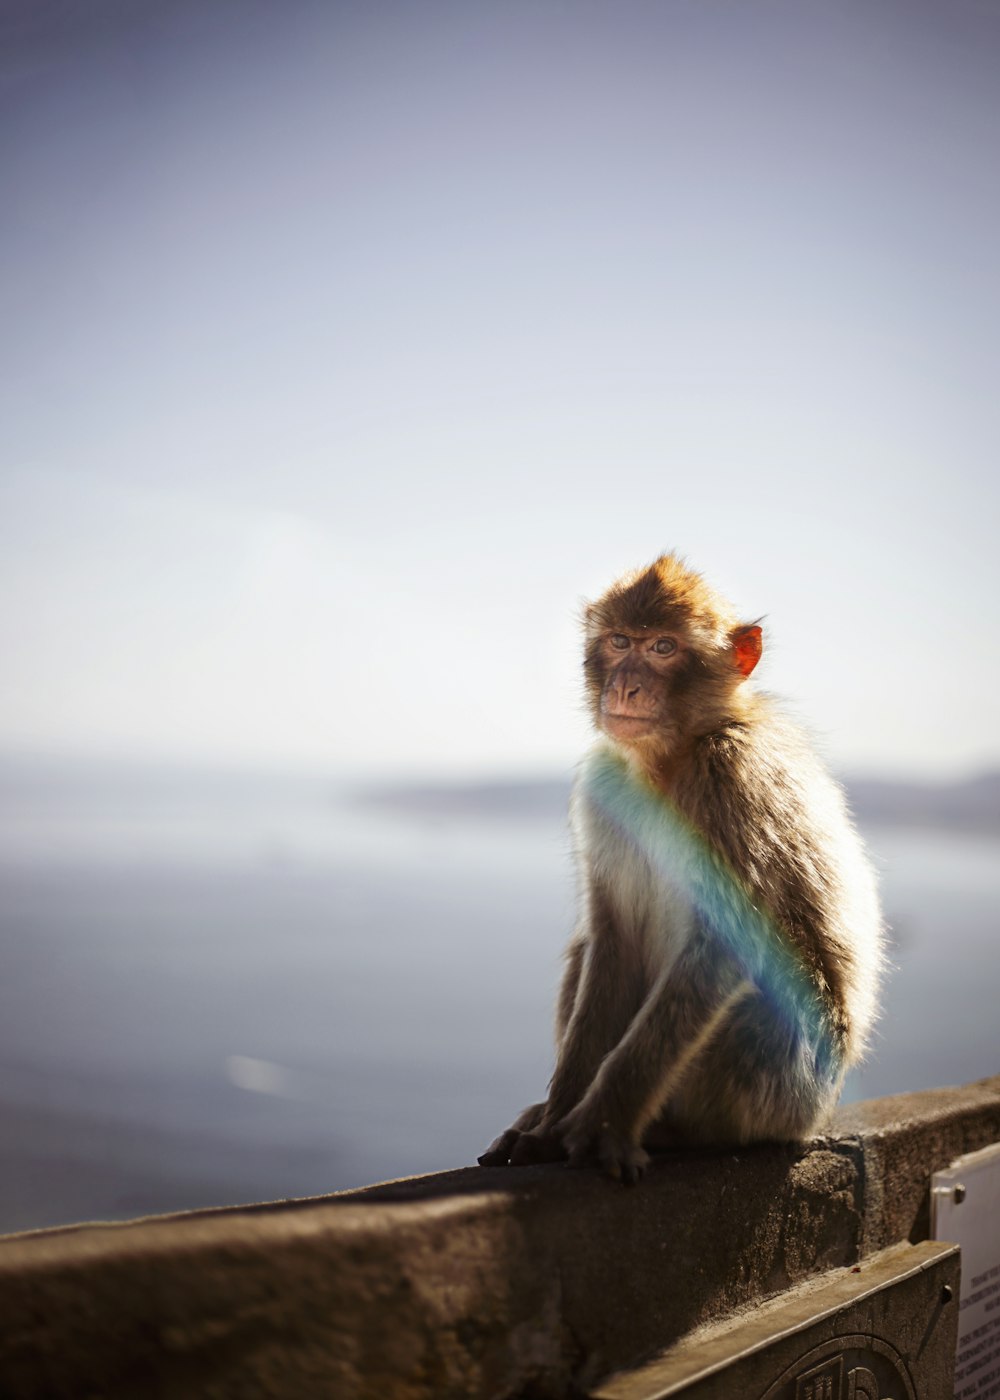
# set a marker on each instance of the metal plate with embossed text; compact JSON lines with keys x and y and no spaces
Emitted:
{"x":884,"y":1330}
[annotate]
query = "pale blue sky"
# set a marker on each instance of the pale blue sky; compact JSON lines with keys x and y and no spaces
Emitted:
{"x":346,"y":347}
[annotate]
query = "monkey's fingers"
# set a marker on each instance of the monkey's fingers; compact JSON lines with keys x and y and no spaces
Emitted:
{"x":624,"y":1161}
{"x":618,"y":1158}
{"x":633,"y":1169}
{"x":499,"y":1150}
{"x":536,"y":1147}
{"x":582,"y":1157}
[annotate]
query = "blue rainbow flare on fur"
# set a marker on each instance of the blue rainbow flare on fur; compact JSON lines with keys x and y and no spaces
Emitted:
{"x":683,"y":858}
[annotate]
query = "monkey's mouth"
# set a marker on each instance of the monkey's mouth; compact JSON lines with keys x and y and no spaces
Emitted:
{"x":620,"y":724}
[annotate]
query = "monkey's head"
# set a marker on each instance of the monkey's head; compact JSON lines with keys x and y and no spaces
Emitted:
{"x":665,"y":658}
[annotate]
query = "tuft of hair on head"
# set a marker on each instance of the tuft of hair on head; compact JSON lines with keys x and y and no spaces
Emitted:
{"x":662,"y":594}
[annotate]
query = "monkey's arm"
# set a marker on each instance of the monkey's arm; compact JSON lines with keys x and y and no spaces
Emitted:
{"x":599,"y":995}
{"x":498,"y":1153}
{"x":687,"y":1007}
{"x":576,"y":956}
{"x":607,"y":998}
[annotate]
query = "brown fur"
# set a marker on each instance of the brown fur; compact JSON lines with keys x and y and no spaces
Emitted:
{"x":724,"y":972}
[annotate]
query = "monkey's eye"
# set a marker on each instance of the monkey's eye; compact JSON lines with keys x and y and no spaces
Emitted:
{"x":665,"y":646}
{"x":619,"y":642}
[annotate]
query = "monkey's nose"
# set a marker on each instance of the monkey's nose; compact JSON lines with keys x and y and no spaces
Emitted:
{"x":631,"y":694}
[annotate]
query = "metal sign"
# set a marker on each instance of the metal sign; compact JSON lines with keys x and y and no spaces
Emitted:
{"x":965,"y":1209}
{"x":883,"y":1329}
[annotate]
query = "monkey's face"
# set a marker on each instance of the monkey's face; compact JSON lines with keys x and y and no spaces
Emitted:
{"x":638,"y":673}
{"x":664,"y":659}
{"x":654,"y":690}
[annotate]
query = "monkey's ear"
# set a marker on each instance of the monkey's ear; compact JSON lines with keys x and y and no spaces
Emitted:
{"x":747,"y":647}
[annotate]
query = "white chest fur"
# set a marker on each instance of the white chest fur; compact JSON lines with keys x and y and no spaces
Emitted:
{"x":630,"y":852}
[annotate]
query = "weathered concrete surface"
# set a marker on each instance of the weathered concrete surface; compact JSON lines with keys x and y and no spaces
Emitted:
{"x":904,"y":1139}
{"x":510,"y":1282}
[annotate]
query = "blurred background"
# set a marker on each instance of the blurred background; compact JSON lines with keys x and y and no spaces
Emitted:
{"x":346,"y":348}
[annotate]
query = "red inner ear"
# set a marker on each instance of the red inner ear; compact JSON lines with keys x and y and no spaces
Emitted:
{"x":748,"y":647}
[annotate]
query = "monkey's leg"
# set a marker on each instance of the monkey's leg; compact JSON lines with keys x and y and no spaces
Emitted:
{"x":770,"y":1078}
{"x":680,"y":1018}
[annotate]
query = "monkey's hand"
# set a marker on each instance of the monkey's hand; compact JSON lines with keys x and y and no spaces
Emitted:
{"x":592,"y":1140}
{"x":501,"y":1150}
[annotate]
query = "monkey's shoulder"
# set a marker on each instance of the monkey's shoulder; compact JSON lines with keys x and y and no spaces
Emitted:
{"x":755,"y":797}
{"x":746,"y":767}
{"x":781,"y":822}
{"x":766,"y":738}
{"x":763,"y":772}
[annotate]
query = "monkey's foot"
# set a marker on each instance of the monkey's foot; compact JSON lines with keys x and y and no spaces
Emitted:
{"x":499,"y":1150}
{"x":612,"y":1151}
{"x":538,"y":1145}
{"x":516,"y":1149}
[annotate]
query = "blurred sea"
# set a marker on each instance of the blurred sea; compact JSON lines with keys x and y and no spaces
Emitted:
{"x":220,"y":989}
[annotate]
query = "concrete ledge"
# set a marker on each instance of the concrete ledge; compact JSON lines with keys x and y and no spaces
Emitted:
{"x":527,"y":1282}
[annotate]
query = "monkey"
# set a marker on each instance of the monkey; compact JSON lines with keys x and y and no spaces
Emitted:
{"x":724,"y":971}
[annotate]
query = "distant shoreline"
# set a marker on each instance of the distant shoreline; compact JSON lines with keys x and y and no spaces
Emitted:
{"x":972,"y":805}
{"x":78,"y":784}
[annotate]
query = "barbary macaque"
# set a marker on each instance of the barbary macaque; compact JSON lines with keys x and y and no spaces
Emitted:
{"x":723,"y":976}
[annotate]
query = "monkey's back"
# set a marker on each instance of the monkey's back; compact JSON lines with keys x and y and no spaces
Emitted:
{"x":781,"y":825}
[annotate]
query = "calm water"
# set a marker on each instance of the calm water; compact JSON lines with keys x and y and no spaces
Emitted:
{"x":226,"y":992}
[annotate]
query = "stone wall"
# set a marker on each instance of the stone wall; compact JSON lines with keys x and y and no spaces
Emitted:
{"x":531,"y":1282}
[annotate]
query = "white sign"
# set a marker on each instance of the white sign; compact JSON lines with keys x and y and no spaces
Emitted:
{"x":965,"y":1209}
